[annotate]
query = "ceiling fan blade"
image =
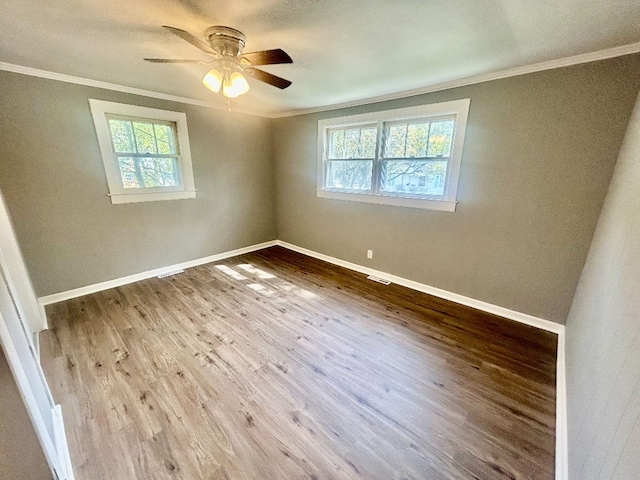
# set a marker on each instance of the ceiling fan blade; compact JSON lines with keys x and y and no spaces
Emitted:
{"x":267,"y":57}
{"x":171,"y":60}
{"x":196,"y":42}
{"x":268,"y":78}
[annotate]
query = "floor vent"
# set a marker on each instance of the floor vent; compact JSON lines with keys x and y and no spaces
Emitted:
{"x":172,"y":272}
{"x":379,"y":280}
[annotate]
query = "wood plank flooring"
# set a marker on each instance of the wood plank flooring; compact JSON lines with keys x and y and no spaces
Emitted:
{"x":273,"y":365}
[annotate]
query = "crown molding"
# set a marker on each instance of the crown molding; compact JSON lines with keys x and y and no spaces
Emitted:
{"x":462,"y":82}
{"x":485,"y":77}
{"x":87,"y":82}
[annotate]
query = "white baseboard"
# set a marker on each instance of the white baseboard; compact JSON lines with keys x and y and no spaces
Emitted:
{"x":117,"y":282}
{"x":437,"y":292}
{"x":561,"y":405}
{"x":562,"y":452}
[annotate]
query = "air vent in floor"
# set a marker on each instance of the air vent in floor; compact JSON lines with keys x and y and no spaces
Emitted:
{"x":379,"y":280}
{"x":172,"y":272}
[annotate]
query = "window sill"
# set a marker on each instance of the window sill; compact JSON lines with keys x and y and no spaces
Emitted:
{"x":117,"y":198}
{"x":427,"y":204}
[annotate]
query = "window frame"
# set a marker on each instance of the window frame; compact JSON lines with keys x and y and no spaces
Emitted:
{"x":445,"y":202}
{"x":101,"y":111}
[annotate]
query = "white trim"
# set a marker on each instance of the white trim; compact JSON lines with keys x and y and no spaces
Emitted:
{"x":421,"y":287}
{"x":87,"y":82}
{"x":437,"y":292}
{"x":561,"y":396}
{"x":29,"y":399}
{"x":439,"y":205}
{"x":455,"y":109}
{"x":562,"y":450}
{"x":117,"y":282}
{"x":61,"y":443}
{"x":481,"y":78}
{"x":118,"y":193}
{"x":562,"y":438}
{"x":604,"y":54}
{"x":43,"y":313}
{"x":19,"y":281}
{"x":36,"y":343}
{"x":119,"y":198}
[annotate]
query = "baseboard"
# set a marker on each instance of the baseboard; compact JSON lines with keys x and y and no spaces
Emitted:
{"x":561,"y":392}
{"x":561,"y":382}
{"x":437,"y":292}
{"x":117,"y":282}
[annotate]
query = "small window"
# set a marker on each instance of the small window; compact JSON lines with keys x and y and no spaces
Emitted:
{"x":405,"y":157}
{"x":145,"y":152}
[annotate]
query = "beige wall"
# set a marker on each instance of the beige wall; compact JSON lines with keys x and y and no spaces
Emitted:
{"x":21,"y":456}
{"x":53,"y":180}
{"x":538,"y":157}
{"x":603,"y":334}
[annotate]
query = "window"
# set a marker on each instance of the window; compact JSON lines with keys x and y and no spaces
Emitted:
{"x":145,"y":152}
{"x":407,"y":157}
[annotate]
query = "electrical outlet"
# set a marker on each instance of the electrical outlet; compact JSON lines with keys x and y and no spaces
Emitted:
{"x":369,"y":253}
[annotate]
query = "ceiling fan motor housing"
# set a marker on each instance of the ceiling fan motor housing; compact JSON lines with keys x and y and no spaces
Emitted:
{"x":226,"y":41}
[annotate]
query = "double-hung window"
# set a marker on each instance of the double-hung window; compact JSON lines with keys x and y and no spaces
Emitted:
{"x":145,"y":152}
{"x":406,"y":157}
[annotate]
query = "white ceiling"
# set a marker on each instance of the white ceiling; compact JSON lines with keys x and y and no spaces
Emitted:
{"x":343,"y":50}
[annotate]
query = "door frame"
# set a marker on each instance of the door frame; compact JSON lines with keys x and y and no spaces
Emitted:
{"x":19,"y":281}
{"x":28,"y":397}
{"x":21,"y":299}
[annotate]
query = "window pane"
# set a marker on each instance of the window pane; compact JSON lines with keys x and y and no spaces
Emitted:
{"x":148,"y":172}
{"x":349,"y":174}
{"x":122,"y":135}
{"x":145,"y":138}
{"x":159,"y":172}
{"x":165,"y":139}
{"x":418,"y":177}
{"x":368,"y":141}
{"x":128,"y":172}
{"x":353,"y":142}
{"x":396,"y":141}
{"x":417,"y":136}
{"x":440,"y":138}
{"x":336,"y":144}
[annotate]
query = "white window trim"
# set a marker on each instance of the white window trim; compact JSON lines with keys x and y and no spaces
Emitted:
{"x":118,"y":194}
{"x":447,"y":202}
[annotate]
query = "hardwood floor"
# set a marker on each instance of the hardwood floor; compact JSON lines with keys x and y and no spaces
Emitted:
{"x":273,"y":365}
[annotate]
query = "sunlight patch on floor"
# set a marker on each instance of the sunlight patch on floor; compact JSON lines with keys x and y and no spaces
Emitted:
{"x":260,"y":288}
{"x":247,"y":267}
{"x":231,"y":272}
{"x":257,"y":287}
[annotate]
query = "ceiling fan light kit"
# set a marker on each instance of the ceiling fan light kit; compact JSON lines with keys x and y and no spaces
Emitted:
{"x":225,"y":45}
{"x":227,"y":76}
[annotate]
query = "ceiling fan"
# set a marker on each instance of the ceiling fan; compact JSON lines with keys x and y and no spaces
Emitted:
{"x":225,"y":45}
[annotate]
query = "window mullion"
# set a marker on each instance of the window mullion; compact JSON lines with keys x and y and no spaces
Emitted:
{"x":135,"y":139}
{"x":155,"y":138}
{"x":377,"y":161}
{"x":325,"y":170}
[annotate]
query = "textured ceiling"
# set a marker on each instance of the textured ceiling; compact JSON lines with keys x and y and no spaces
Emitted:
{"x":343,"y":50}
